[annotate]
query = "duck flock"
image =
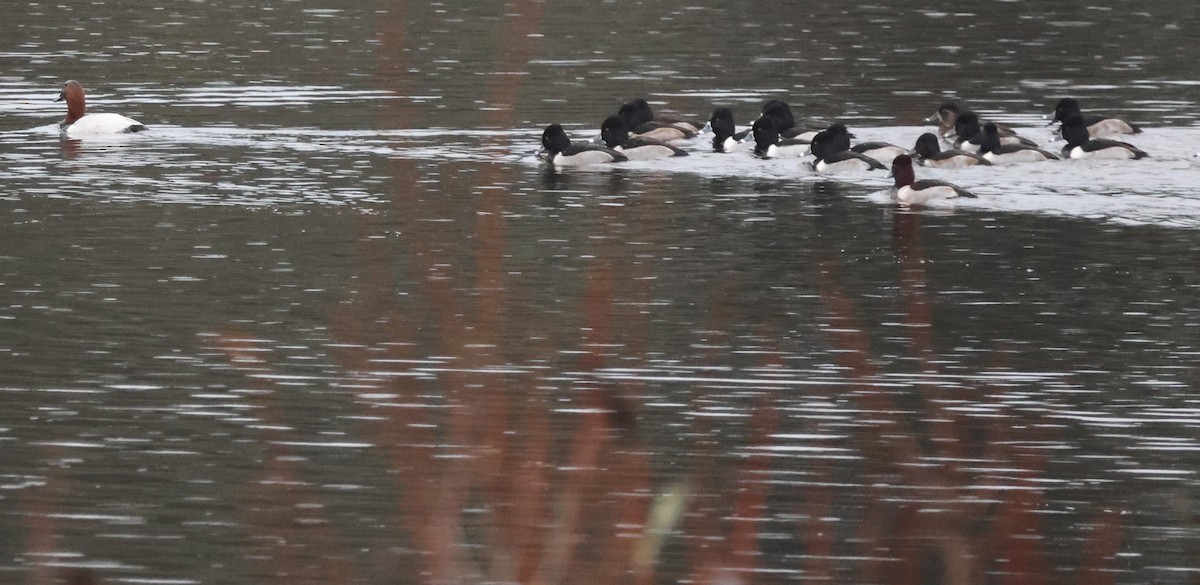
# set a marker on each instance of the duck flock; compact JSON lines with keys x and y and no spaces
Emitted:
{"x":635,"y":133}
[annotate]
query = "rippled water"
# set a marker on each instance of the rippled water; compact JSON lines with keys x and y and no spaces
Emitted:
{"x":329,"y":320}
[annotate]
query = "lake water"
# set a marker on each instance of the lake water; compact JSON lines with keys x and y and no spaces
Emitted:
{"x":330,"y":321}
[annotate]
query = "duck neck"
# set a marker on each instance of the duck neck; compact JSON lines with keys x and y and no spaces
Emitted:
{"x":75,"y":109}
{"x":904,"y":175}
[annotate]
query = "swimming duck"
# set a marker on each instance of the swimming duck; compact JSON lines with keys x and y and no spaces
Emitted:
{"x":79,"y":124}
{"x":880,"y":151}
{"x":558,"y":150}
{"x":1098,"y":125}
{"x":831,"y":147}
{"x":1080,"y":144}
{"x":769,"y":144}
{"x":725,"y":134}
{"x":785,"y":122}
{"x":929,"y":153}
{"x":969,"y":129}
{"x":998,"y":153}
{"x":909,"y":191}
{"x":640,"y":119}
{"x":616,"y":136}
{"x":946,"y":118}
{"x":836,"y":138}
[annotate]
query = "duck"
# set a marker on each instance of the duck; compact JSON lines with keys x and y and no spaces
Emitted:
{"x":725,"y":134}
{"x":79,"y":124}
{"x":909,"y":191}
{"x":1080,"y":144}
{"x":785,"y":122}
{"x":929,"y":153}
{"x":616,"y":136}
{"x":996,"y":152}
{"x":946,"y":118}
{"x":837,"y":138}
{"x":831,"y":147}
{"x":640,"y":120}
{"x":969,"y":129}
{"x":780,"y":114}
{"x":769,"y":144}
{"x":1098,"y":125}
{"x":880,"y":151}
{"x":558,"y":150}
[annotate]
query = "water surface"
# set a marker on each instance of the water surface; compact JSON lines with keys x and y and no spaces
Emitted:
{"x":329,"y":320}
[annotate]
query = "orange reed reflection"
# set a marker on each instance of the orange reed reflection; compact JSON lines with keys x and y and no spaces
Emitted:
{"x":963,"y":538}
{"x":586,"y":507}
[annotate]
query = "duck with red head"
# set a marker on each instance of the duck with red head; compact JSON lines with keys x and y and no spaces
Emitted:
{"x":909,"y":191}
{"x":79,"y":124}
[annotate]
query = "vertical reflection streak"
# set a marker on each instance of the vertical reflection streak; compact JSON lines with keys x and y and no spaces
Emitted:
{"x":301,"y":551}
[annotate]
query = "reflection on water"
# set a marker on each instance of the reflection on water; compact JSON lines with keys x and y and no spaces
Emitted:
{"x":329,"y":323}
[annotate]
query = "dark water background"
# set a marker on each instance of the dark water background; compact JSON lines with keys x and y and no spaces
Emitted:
{"x":328,"y":321}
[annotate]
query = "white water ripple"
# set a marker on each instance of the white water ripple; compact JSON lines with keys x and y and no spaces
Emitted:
{"x":1163,"y":190}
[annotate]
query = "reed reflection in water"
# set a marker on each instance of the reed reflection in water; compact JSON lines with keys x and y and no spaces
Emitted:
{"x":612,"y":405}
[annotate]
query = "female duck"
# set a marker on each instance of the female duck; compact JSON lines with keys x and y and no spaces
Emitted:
{"x":1098,"y":125}
{"x":559,"y":151}
{"x":78,"y":124}
{"x":930,"y":154}
{"x":946,"y":118}
{"x":909,"y":191}
{"x":1080,"y":144}
{"x":616,"y":136}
